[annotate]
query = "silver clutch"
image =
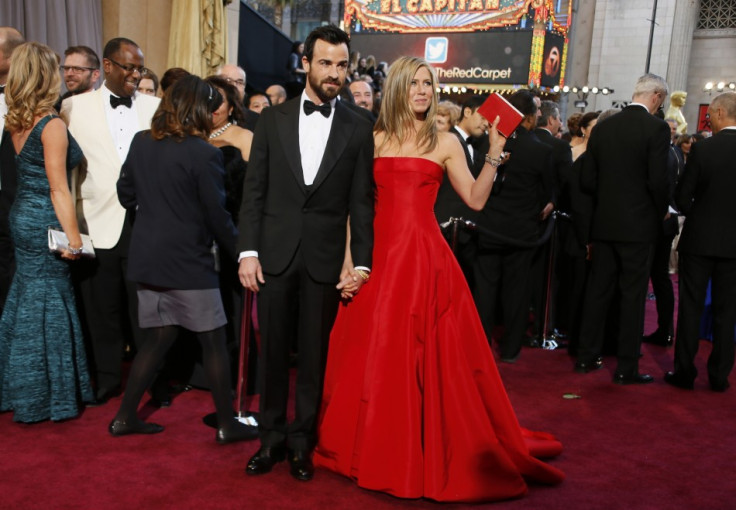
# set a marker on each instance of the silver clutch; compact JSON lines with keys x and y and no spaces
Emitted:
{"x":59,"y":242}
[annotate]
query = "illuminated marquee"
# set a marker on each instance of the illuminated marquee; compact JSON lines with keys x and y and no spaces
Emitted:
{"x":434,"y":15}
{"x":474,"y":42}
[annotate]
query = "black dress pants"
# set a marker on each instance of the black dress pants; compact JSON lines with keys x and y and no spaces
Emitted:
{"x":110,"y":310}
{"x":293,"y":303}
{"x":622,"y":266}
{"x":694,"y":273}
{"x":503,"y":274}
{"x":662,"y":284}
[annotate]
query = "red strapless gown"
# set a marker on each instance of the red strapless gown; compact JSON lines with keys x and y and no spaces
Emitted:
{"x":413,"y":403}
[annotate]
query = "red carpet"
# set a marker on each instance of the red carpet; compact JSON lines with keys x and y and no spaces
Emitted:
{"x":634,"y":447}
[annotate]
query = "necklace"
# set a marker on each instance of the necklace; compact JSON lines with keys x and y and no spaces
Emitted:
{"x":220,"y":131}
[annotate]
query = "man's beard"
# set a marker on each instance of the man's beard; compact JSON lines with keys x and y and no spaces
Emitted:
{"x":323,"y":95}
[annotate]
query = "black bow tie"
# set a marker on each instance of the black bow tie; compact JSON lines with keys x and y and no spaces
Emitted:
{"x":2,"y":89}
{"x":310,"y":108}
{"x":120,"y":101}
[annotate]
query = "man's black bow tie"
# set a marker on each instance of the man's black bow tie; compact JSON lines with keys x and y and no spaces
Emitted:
{"x":120,"y":101}
{"x":2,"y":89}
{"x":310,"y":108}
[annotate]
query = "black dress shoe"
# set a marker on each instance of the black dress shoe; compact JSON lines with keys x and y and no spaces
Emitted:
{"x":584,"y":367}
{"x":265,"y":459}
{"x":633,"y":379}
{"x":123,"y":428}
{"x":719,"y":386}
{"x":236,"y":432}
{"x":675,"y":379}
{"x":658,"y":338}
{"x":301,"y":466}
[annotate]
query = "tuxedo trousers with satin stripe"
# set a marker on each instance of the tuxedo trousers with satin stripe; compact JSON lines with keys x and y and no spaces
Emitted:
{"x":293,"y":305}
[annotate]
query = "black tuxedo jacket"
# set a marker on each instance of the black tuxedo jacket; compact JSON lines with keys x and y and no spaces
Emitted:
{"x":561,"y":167}
{"x":705,"y":196}
{"x":280,"y":214}
{"x":448,"y":203}
{"x":527,"y":187}
{"x":177,"y":191}
{"x":626,"y":171}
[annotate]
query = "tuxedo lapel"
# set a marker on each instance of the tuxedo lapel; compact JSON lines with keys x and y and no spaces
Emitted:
{"x":288,"y":131}
{"x":340,"y":132}
{"x":107,"y":145}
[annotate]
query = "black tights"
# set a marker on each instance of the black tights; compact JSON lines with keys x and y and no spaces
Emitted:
{"x":150,"y":357}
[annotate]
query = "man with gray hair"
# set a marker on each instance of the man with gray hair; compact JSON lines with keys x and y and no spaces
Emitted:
{"x":708,"y":249}
{"x":625,"y":169}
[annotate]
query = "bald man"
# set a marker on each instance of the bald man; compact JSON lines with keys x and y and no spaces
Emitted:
{"x":235,"y":75}
{"x":10,"y":39}
{"x":277,"y":94}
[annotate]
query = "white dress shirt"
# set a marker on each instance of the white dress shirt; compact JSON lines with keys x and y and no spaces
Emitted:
{"x":123,"y":123}
{"x":467,"y":144}
{"x":314,"y":130}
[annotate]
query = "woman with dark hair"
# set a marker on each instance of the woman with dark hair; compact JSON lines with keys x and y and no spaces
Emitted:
{"x":413,"y":404}
{"x":43,"y":367}
{"x":171,"y":76}
{"x":234,"y":141}
{"x":684,"y":142}
{"x":173,"y":181}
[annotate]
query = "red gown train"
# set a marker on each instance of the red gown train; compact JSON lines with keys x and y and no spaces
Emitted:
{"x":413,"y":403}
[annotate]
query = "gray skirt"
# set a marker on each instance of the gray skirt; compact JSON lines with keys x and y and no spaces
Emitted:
{"x":197,"y":310}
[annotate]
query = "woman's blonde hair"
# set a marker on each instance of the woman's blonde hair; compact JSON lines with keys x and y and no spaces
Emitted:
{"x":33,"y":86}
{"x":396,"y":120}
{"x":450,"y":110}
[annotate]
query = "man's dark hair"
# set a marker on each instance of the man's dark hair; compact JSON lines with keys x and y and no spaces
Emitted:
{"x":473,"y":102}
{"x":523,"y":100}
{"x":92,"y":59}
{"x":113,"y":46}
{"x":327,"y":33}
{"x":257,"y":93}
{"x":549,"y":110}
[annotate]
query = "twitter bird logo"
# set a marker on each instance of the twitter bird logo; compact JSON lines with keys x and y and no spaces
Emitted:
{"x":435,"y":50}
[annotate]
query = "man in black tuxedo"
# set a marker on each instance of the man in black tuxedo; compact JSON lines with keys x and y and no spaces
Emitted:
{"x":625,"y":168}
{"x":502,"y":267}
{"x":10,"y":38}
{"x":707,"y":248}
{"x":548,"y":126}
{"x":449,"y":204}
{"x":310,"y":169}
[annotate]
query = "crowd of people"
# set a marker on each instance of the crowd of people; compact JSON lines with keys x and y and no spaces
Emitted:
{"x":385,"y":234}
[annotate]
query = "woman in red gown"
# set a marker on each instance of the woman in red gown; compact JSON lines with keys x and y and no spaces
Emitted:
{"x":413,"y":403}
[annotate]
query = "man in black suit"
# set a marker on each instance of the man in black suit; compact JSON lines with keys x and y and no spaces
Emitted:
{"x":310,"y":168}
{"x":10,"y":38}
{"x":625,"y":168}
{"x":707,"y":248}
{"x":548,"y":126}
{"x":502,"y":267}
{"x":449,"y":204}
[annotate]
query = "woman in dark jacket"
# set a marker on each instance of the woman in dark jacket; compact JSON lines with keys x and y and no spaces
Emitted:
{"x":173,"y":180}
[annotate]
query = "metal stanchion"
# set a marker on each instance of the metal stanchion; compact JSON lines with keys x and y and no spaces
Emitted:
{"x":549,"y":341}
{"x":243,"y":414}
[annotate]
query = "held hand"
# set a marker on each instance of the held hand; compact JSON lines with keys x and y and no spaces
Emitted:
{"x":350,"y":284}
{"x":498,"y":141}
{"x":250,"y":273}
